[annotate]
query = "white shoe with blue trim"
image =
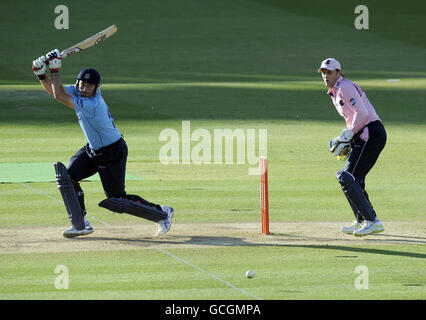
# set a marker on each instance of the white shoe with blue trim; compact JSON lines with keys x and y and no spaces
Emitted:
{"x":72,"y":232}
{"x":165,"y":224}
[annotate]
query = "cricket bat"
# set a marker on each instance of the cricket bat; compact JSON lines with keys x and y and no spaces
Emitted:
{"x":89,"y":42}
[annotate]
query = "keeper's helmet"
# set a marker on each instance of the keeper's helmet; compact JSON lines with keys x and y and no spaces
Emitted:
{"x":90,"y":75}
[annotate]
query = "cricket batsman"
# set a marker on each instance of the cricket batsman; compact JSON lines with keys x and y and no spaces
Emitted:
{"x":362,"y":140}
{"x":105,"y":153}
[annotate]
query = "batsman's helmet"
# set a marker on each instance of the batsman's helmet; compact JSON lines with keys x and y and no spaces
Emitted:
{"x":90,"y":75}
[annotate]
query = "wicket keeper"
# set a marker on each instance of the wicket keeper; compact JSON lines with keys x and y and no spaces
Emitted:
{"x":105,"y":153}
{"x":362,"y":140}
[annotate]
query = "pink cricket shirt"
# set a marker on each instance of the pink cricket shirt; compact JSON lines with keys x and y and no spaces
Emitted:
{"x":353,"y":105}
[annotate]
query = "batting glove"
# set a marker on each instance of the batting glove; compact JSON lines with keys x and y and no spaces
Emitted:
{"x":54,"y":60}
{"x":39,"y":67}
{"x":341,"y":145}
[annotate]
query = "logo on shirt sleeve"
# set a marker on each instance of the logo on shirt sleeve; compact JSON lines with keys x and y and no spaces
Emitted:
{"x":341,"y":102}
{"x":352,"y":102}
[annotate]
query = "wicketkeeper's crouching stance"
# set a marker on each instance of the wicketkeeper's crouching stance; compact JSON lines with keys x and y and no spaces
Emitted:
{"x":363,"y":139}
{"x":105,"y":153}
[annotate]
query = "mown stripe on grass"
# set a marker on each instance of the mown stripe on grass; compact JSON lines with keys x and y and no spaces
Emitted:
{"x":401,"y":84}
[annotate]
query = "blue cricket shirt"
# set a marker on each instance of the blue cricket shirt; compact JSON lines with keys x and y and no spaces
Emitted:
{"x":94,"y":118}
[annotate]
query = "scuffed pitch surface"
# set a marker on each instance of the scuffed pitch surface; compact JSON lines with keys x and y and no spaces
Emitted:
{"x":107,"y":237}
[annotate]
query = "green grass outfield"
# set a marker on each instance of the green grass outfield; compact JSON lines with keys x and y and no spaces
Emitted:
{"x":218,"y":64}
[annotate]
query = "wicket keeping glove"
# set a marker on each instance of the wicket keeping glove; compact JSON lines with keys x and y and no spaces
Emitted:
{"x":344,"y":153}
{"x":54,"y":60}
{"x":341,"y":145}
{"x":39,"y":67}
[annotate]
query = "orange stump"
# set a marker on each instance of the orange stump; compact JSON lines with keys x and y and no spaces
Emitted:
{"x":264,"y":201}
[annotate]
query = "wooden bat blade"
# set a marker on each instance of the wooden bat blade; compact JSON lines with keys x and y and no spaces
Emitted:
{"x":89,"y":42}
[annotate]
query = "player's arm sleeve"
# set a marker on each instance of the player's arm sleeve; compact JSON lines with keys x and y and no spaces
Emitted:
{"x":353,"y":100}
{"x":70,"y":89}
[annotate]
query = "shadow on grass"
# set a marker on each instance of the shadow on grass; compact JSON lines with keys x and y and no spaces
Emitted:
{"x":241,"y":242}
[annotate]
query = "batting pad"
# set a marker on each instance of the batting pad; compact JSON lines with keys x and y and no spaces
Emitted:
{"x":39,"y":172}
{"x":135,"y":208}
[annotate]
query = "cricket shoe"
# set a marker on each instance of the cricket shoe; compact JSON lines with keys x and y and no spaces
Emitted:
{"x":369,"y":227}
{"x":73,"y":232}
{"x":165,"y":224}
{"x":353,"y":227}
{"x":87,"y":225}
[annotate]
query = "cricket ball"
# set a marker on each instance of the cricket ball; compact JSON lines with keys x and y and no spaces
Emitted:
{"x":250,"y":274}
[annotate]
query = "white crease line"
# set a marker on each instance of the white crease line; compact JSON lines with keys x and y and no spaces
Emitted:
{"x":159,"y":249}
{"x":208,"y":273}
{"x":39,"y":192}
